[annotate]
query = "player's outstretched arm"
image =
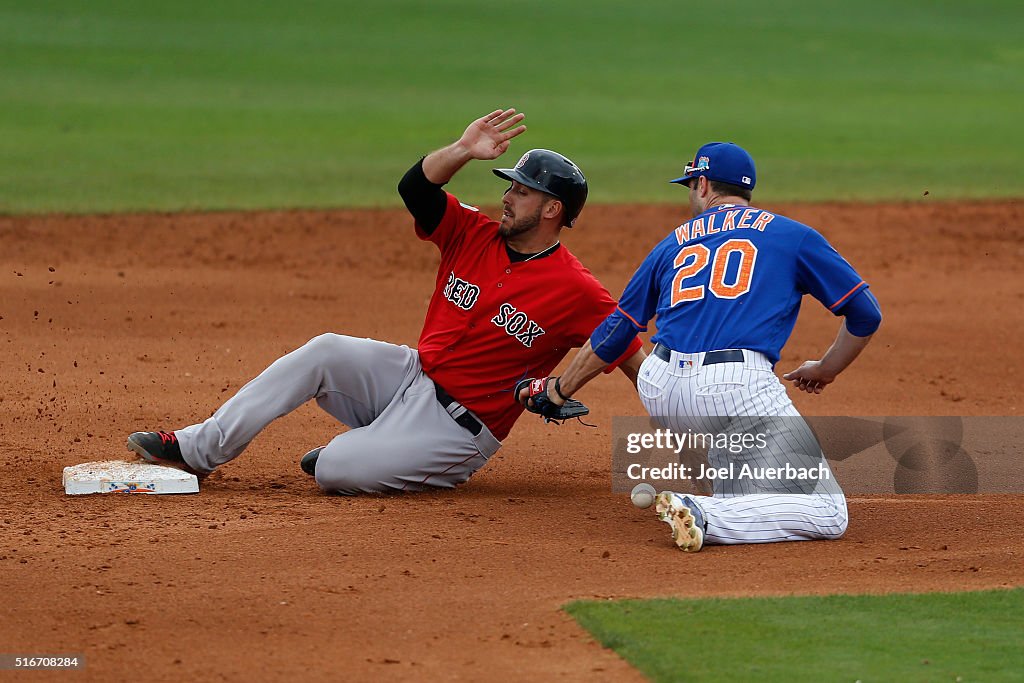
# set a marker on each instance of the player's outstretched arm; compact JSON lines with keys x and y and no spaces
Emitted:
{"x":585,"y":366}
{"x":486,"y":138}
{"x":814,"y":375}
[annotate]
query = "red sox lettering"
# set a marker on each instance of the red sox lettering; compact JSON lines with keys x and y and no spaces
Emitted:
{"x":517,"y":324}
{"x":460,"y":292}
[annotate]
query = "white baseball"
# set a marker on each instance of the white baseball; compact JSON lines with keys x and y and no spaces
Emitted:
{"x":643,"y":496}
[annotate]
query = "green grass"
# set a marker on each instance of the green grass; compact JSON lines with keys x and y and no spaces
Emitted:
{"x":931,"y":637}
{"x":120,"y":105}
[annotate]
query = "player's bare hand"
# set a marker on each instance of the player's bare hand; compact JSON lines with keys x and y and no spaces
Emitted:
{"x":488,"y":137}
{"x":810,"y":377}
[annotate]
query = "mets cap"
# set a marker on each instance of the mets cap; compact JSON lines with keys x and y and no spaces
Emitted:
{"x":725,"y":162}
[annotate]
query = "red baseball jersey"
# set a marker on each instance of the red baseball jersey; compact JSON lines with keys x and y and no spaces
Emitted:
{"x":492,"y":323}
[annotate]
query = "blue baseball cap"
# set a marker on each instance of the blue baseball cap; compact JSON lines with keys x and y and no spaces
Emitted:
{"x":725,"y":162}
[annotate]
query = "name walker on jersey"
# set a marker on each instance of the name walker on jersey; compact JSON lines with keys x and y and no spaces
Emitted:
{"x":724,"y":221}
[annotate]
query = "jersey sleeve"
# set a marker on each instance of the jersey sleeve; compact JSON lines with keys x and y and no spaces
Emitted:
{"x":457,"y":219}
{"x":599,"y":306}
{"x":425,"y":200}
{"x":863,"y":313}
{"x":594,"y":304}
{"x":612,"y":342}
{"x":639,"y":300}
{"x":616,"y":335}
{"x":824,"y":274}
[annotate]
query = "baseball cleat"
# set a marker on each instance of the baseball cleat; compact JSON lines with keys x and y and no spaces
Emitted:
{"x":160,"y":448}
{"x":308,"y":462}
{"x":686,"y":519}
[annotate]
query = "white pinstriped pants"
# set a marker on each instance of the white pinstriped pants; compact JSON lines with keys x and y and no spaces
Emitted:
{"x":685,"y":395}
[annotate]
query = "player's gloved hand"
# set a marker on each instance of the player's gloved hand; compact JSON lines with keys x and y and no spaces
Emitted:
{"x":534,"y":394}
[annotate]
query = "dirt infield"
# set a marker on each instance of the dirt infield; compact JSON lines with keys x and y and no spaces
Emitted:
{"x":110,"y":325}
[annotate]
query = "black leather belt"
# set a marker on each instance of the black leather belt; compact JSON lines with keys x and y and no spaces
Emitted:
{"x":710,"y":358}
{"x":467,"y":420}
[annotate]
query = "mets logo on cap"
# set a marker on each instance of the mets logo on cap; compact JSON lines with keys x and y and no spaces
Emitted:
{"x":702,"y":164}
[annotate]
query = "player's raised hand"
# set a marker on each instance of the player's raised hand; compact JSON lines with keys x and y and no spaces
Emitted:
{"x":810,"y":377}
{"x":488,"y":137}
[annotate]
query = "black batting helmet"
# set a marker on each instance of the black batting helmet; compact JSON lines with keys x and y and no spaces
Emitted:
{"x":554,"y":174}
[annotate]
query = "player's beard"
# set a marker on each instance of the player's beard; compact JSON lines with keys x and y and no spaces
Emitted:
{"x":520,"y":225}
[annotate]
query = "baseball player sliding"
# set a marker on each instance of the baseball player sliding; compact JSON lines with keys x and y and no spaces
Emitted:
{"x":509,"y":302}
{"x":726,"y":288}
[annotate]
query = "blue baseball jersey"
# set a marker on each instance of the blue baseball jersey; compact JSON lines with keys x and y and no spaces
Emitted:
{"x":733,"y":278}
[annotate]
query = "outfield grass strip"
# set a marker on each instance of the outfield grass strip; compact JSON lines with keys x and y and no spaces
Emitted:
{"x":972,"y":636}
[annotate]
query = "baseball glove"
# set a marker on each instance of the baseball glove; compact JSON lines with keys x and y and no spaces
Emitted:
{"x":537,"y":401}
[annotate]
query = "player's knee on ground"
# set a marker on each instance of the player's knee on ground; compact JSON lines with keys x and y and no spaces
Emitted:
{"x":341,"y":470}
{"x":353,"y":467}
{"x":843,"y":524}
{"x":837,"y":527}
{"x":348,"y":477}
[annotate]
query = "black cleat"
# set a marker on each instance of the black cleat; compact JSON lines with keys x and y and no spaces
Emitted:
{"x":308,"y":462}
{"x":160,"y":448}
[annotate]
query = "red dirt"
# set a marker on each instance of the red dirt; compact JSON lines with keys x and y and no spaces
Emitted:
{"x":111,"y":324}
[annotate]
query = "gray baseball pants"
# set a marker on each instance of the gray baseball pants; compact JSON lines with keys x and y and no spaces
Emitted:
{"x":401,"y":438}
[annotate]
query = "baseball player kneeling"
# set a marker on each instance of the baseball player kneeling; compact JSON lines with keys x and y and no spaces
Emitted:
{"x":509,"y":302}
{"x":726,"y":288}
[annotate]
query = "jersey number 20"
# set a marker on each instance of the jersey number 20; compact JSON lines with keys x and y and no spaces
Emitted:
{"x":694,"y":258}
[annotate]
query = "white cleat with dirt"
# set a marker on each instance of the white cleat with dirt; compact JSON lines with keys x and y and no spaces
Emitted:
{"x":684,"y":516}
